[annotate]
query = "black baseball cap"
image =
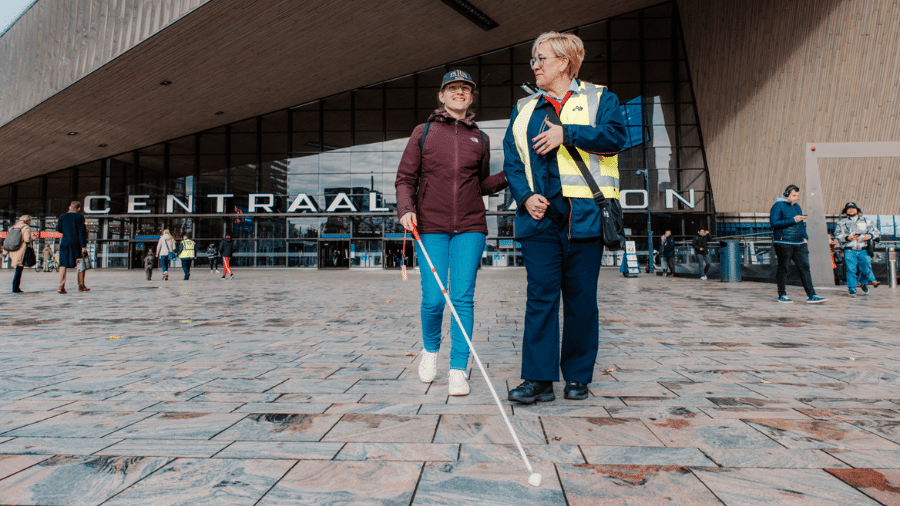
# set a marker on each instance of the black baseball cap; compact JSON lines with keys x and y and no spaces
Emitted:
{"x":457,"y":75}
{"x":848,"y":205}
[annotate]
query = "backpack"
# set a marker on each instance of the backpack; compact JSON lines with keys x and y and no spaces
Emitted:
{"x":13,"y":239}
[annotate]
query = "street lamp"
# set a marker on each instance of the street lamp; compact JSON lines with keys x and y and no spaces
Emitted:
{"x":646,"y":174}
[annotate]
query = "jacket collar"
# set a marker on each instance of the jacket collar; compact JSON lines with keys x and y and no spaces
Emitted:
{"x":442,"y":116}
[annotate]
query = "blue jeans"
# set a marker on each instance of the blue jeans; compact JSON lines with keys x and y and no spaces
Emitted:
{"x":857,"y":262}
{"x":164,"y":263}
{"x":459,"y":254}
{"x":704,"y":261}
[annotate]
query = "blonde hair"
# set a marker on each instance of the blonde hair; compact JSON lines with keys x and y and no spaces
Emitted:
{"x":565,"y":45}
{"x":166,"y":233}
{"x":25,"y":218}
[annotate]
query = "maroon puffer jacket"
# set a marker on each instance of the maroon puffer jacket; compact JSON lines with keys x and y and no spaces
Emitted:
{"x":444,"y":185}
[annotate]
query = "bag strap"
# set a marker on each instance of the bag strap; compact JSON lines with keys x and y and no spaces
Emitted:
{"x":425,"y":132}
{"x":598,"y":196}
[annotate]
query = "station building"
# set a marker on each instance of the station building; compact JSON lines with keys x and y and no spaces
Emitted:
{"x":282,"y":123}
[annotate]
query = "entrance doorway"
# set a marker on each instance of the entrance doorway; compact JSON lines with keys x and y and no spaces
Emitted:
{"x":393,"y":254}
{"x":365,"y":253}
{"x":334,"y":254}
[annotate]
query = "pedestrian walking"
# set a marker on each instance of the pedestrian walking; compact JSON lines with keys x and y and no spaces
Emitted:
{"x":791,"y":243}
{"x":557,"y":221}
{"x":855,"y":233}
{"x":186,"y":253}
{"x":668,"y":250}
{"x":701,"y":250}
{"x":443,"y":174}
{"x":165,"y":251}
{"x":213,"y":256}
{"x":226,"y":249}
{"x":149,"y":262}
{"x":46,"y":256}
{"x":73,"y":242}
{"x":18,"y":239}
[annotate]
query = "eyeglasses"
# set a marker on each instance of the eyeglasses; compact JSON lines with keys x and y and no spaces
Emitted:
{"x":541,"y":59}
{"x":459,"y":88}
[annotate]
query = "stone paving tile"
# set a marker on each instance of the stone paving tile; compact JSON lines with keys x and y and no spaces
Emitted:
{"x":241,"y":397}
{"x":490,"y":429}
{"x":280,"y":427}
{"x":179,"y":426}
{"x":205,"y":481}
{"x":409,"y":452}
{"x":55,"y":446}
{"x":11,"y":420}
{"x":741,"y":412}
{"x":486,"y":483}
{"x":67,"y":480}
{"x":463,"y":409}
{"x":598,"y":484}
{"x":290,"y":450}
{"x":164,"y":447}
{"x":35,"y":405}
{"x":374,"y":409}
{"x":706,"y":433}
{"x":345,"y":482}
{"x":309,"y":408}
{"x":11,"y":464}
{"x":849,"y":413}
{"x":765,"y":487}
{"x":79,"y":424}
{"x":822,"y":434}
{"x":643,"y":456}
{"x":883,"y":485}
{"x":363,"y":428}
{"x":598,"y":431}
{"x":537,"y":454}
{"x":882,"y":459}
{"x":772,"y":458}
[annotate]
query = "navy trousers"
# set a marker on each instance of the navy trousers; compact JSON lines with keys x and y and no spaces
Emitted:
{"x":554,"y":263}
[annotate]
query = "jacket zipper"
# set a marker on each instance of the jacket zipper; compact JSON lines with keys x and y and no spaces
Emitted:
{"x":570,"y":218}
{"x":455,"y":174}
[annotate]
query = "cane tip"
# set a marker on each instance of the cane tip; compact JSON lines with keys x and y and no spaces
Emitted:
{"x":534,"y":480}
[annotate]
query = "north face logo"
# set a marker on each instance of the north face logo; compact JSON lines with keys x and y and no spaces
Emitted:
{"x":579,"y":108}
{"x":474,"y":139}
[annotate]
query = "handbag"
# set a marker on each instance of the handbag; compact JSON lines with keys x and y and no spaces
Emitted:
{"x":613,"y":223}
{"x":29,"y":259}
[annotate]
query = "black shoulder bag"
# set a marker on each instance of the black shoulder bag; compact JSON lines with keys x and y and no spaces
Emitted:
{"x":610,"y":209}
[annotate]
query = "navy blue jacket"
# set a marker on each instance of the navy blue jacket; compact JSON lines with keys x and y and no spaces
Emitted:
{"x":74,"y":233}
{"x":609,"y":136}
{"x":786,"y":228}
{"x":668,"y":247}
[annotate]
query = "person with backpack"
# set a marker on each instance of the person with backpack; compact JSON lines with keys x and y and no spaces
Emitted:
{"x":73,"y":242}
{"x":213,"y":255}
{"x":443,"y":174}
{"x":18,"y":238}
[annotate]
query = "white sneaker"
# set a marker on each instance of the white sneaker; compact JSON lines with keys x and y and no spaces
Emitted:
{"x":703,"y":278}
{"x":458,"y":383}
{"x":428,"y":366}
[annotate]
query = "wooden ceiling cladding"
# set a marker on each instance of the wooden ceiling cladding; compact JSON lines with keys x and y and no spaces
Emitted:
{"x":772,"y":75}
{"x":247,"y":58}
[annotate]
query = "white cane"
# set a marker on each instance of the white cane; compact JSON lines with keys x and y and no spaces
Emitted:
{"x":534,"y":478}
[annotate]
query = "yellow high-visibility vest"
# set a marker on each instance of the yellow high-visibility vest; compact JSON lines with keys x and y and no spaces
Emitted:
{"x":187,"y":249}
{"x":580,"y":109}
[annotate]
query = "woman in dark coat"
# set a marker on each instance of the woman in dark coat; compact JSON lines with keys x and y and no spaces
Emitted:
{"x":73,"y":242}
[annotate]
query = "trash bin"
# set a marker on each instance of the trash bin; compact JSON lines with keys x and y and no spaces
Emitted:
{"x":730,"y":260}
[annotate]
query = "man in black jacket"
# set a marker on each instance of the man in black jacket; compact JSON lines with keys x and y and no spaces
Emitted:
{"x":668,"y":252}
{"x":701,"y":250}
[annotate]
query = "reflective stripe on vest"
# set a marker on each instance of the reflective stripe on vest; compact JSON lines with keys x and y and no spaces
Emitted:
{"x":580,"y":109}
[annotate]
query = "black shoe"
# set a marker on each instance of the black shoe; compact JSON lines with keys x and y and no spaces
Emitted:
{"x":576,"y":391}
{"x":17,"y":291}
{"x":531,"y":391}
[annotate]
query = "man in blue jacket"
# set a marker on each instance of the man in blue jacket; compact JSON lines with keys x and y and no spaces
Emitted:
{"x":791,"y":242}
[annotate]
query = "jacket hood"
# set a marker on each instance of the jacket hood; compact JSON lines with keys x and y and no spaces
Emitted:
{"x":782,"y":198}
{"x":443,"y":116}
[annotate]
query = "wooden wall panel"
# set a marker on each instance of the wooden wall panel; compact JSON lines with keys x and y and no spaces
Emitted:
{"x":247,"y":58}
{"x":772,"y":75}
{"x":57,"y":42}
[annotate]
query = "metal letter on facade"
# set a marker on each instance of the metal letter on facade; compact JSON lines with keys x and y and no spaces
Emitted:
{"x":337,"y":203}
{"x":671,"y":195}
{"x":252,"y":203}
{"x":171,"y":200}
{"x":373,"y":203}
{"x":134,"y":204}
{"x":302,"y":202}
{"x":623,"y":199}
{"x":88,"y":204}
{"x":220,"y":200}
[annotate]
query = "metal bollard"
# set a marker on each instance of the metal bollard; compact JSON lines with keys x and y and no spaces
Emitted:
{"x":892,"y":266}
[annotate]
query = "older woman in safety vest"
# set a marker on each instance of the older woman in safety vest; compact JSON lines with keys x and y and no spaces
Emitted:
{"x":566,"y":123}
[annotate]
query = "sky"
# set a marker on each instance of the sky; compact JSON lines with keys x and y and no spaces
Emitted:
{"x":10,"y":10}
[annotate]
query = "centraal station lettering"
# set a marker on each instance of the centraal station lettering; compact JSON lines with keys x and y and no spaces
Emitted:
{"x":341,"y":202}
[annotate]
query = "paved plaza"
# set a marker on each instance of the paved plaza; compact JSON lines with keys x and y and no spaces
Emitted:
{"x":295,"y":387}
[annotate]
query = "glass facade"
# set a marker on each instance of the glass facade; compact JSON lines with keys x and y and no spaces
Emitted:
{"x":313,"y":186}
